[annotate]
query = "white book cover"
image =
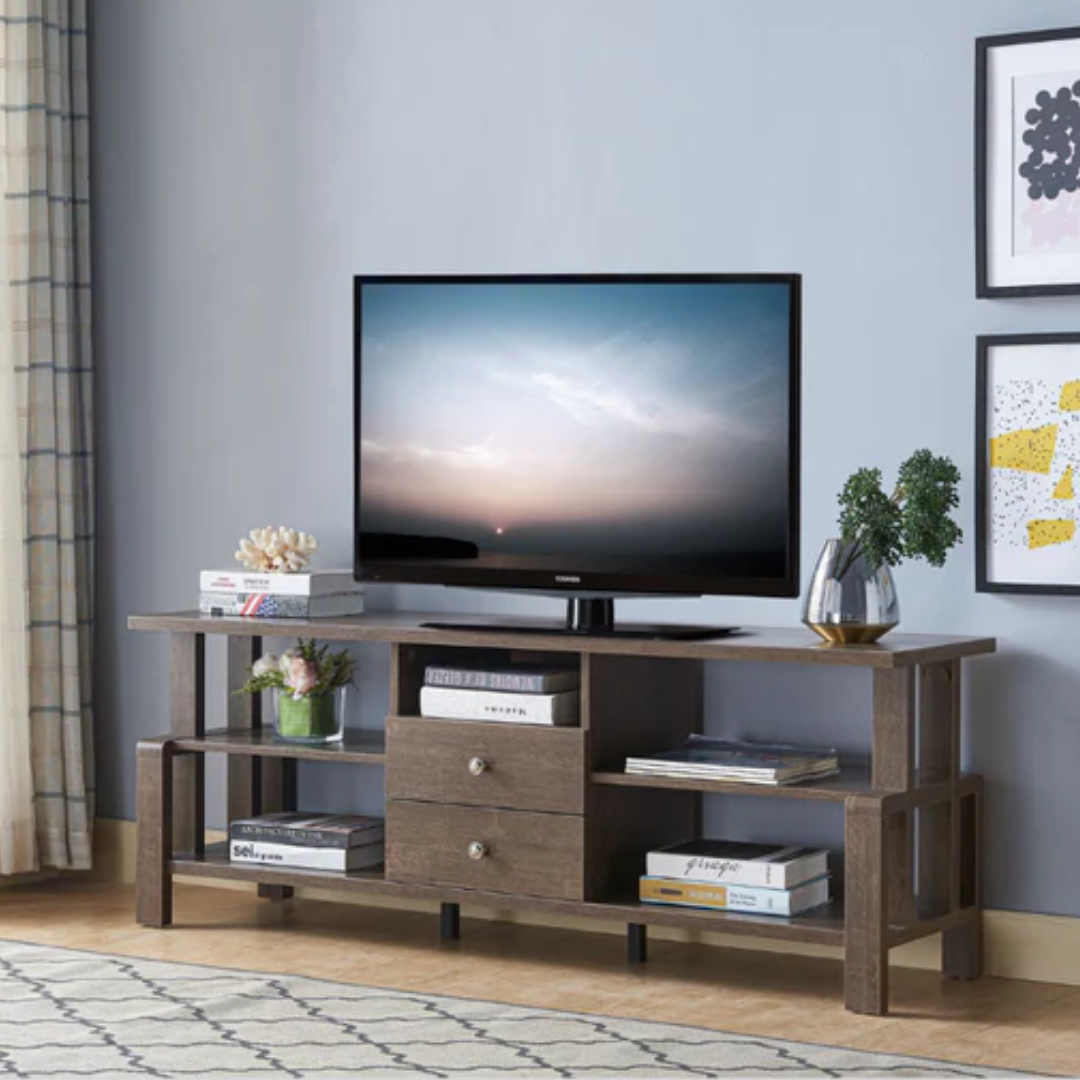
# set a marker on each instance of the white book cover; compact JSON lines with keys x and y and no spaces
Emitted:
{"x":451,"y":703}
{"x":307,"y":858}
{"x":313,"y":583}
{"x":741,"y":898}
{"x":724,"y":862}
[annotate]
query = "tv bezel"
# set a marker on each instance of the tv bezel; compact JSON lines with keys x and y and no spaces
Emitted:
{"x":571,"y":581}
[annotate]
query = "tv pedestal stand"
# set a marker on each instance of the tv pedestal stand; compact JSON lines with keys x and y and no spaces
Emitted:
{"x":593,"y":616}
{"x":546,"y":819}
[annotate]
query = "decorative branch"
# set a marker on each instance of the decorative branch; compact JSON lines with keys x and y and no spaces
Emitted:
{"x":913,"y":522}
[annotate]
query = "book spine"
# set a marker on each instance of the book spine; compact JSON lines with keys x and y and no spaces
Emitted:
{"x":453,"y":704}
{"x":280,"y":606}
{"x":736,"y":897}
{"x":306,"y":838}
{"x":470,"y":679}
{"x":254,"y":851}
{"x":312,"y":584}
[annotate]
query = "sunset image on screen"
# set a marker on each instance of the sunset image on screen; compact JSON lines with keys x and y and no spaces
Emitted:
{"x":584,"y":426}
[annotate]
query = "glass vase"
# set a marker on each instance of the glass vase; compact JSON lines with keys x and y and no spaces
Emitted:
{"x":311,"y":718}
{"x":850,"y":602}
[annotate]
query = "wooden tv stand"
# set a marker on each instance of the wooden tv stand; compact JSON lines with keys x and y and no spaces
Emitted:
{"x":563,"y":828}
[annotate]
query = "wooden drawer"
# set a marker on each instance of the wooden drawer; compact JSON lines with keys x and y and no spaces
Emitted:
{"x":486,"y":764}
{"x":527,"y":854}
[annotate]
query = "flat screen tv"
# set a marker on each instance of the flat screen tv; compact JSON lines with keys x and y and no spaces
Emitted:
{"x":591,"y":436}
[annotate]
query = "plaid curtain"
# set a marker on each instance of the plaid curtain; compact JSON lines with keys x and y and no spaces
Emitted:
{"x":48,"y":247}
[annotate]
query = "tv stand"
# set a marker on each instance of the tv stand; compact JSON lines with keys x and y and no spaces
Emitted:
{"x":594,"y":617}
{"x":546,"y":819}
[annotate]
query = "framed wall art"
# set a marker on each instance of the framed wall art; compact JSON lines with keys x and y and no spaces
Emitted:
{"x":1027,"y":163}
{"x":1027,"y":464}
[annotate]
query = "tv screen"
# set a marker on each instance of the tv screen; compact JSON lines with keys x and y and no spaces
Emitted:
{"x":613,"y":434}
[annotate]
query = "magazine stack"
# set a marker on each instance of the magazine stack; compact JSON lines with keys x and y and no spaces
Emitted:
{"x":704,"y":758}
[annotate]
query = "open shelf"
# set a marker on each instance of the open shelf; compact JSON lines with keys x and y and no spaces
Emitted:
{"x":824,"y":926}
{"x":357,"y":746}
{"x":215,"y":863}
{"x":851,"y":780}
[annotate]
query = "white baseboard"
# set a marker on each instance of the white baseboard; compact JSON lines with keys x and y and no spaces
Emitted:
{"x":1019,"y":945}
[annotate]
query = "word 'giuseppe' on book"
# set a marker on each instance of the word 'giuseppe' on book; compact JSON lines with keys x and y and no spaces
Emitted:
{"x":738,"y":863}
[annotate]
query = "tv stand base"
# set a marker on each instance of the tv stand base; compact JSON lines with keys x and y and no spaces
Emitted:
{"x":648,"y":631}
{"x":593,"y":617}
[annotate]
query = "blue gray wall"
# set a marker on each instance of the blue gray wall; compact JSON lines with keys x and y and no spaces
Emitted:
{"x":251,"y":155}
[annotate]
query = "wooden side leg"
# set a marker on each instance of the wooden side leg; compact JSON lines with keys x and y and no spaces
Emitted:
{"x":153,"y":877}
{"x":962,"y":947}
{"x":280,"y":792}
{"x":243,"y":713}
{"x":637,"y":943}
{"x":187,"y":716}
{"x":866,"y":953}
{"x":894,"y":696}
{"x":450,"y":922}
{"x":939,"y":763}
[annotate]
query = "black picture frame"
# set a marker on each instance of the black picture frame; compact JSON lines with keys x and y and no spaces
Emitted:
{"x":998,"y":60}
{"x":984,"y":376}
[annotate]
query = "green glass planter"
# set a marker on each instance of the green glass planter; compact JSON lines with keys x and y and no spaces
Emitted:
{"x":314,"y":718}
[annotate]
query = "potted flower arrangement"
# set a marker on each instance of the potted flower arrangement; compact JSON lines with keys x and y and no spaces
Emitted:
{"x":852,"y":596}
{"x":308,"y":684}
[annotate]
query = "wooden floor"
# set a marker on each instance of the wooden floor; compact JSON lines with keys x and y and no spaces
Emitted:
{"x":1021,"y":1025}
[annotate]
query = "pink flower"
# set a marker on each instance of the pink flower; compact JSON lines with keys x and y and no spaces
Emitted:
{"x":300,"y":675}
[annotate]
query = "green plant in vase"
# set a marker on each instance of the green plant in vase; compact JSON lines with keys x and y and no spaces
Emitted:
{"x":308,"y":683}
{"x":852,"y":596}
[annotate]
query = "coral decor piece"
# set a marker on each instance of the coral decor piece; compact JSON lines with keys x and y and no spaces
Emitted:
{"x":280,"y":550}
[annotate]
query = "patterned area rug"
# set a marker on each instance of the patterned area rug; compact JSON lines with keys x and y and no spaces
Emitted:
{"x":65,"y":1013}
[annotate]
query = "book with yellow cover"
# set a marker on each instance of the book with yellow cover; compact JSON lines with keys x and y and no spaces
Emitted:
{"x":658,"y":890}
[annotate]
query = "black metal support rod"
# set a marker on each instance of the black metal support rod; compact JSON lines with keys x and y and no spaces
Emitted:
{"x":637,"y":943}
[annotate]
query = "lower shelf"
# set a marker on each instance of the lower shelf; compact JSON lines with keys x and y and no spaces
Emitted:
{"x":825,"y":926}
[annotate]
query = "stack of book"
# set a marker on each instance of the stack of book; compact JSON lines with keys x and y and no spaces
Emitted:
{"x":291,"y":596}
{"x":705,"y":758}
{"x":510,"y":693}
{"x":309,"y":841}
{"x":728,"y":875}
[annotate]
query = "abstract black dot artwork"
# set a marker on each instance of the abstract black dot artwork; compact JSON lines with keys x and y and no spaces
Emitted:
{"x":1027,"y":164}
{"x":1053,"y":164}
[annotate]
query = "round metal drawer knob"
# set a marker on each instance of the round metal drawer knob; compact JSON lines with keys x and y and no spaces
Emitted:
{"x":478,"y":766}
{"x":477,"y":850}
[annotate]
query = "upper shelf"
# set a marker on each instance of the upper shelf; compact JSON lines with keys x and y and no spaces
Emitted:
{"x":357,"y":746}
{"x":792,"y":645}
